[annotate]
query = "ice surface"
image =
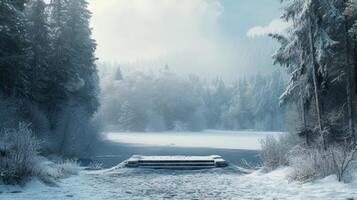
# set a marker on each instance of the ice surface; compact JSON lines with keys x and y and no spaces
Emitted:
{"x":247,"y":140}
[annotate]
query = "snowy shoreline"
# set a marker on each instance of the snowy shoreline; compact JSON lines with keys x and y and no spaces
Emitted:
{"x":138,"y":184}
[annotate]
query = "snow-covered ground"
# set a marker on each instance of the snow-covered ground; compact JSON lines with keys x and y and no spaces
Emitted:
{"x":248,"y":140}
{"x":142,"y":184}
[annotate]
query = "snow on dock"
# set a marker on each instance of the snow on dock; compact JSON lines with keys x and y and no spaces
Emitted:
{"x":176,"y":162}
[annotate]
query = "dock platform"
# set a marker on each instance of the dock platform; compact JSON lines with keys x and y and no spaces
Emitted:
{"x":176,"y":162}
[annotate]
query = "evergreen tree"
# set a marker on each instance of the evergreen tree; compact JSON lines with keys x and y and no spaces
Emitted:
{"x":306,"y":41}
{"x":320,"y":56}
{"x":118,"y":74}
{"x":75,"y":82}
{"x":126,"y":117}
{"x":245,"y":113}
{"x":13,"y":45}
{"x":73,"y":58}
{"x":38,"y":33}
{"x":351,"y":14}
{"x":58,"y":60}
{"x":84,"y":70}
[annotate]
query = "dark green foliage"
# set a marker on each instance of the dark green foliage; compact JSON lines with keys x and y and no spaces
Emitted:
{"x":48,"y":71}
{"x":13,"y":44}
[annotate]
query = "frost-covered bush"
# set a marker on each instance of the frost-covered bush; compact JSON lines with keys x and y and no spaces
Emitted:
{"x":49,"y":172}
{"x":18,"y":150}
{"x":68,"y":168}
{"x":344,"y":160}
{"x":310,"y":163}
{"x":275,"y":151}
{"x":95,"y":166}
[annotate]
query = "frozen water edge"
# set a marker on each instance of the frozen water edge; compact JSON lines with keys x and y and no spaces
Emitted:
{"x":244,"y":140}
{"x":226,"y":183}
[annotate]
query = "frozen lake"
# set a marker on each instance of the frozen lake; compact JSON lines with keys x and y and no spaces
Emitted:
{"x":244,"y":140}
{"x":233,"y":146}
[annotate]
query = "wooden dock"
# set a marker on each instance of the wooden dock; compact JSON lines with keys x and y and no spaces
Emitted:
{"x":176,"y":162}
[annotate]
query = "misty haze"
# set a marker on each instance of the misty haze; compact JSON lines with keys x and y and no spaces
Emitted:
{"x":178,"y":99}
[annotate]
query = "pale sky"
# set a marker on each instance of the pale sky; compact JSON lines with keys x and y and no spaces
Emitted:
{"x":208,"y":37}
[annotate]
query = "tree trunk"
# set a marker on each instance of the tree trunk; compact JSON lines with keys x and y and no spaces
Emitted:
{"x":316,"y":90}
{"x":303,"y":118}
{"x":349,"y":84}
{"x":303,"y":111}
{"x":355,"y":66}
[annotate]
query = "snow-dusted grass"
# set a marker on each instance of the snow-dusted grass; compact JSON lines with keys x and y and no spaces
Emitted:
{"x":228,"y":183}
{"x":18,"y":152}
{"x":50,"y":173}
{"x":275,"y":151}
{"x":247,"y":140}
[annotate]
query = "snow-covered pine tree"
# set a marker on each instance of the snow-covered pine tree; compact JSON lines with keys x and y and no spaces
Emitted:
{"x":351,"y":13}
{"x":76,"y":79}
{"x":306,"y":52}
{"x":118,"y":74}
{"x":244,"y":105}
{"x":38,"y":35}
{"x":13,"y":44}
{"x":84,"y":82}
{"x":350,"y":20}
{"x":125,"y":120}
{"x":320,"y":55}
{"x":58,"y":60}
{"x":75,"y":83}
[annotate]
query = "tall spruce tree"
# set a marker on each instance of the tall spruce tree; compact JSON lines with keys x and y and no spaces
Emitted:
{"x":73,"y":59}
{"x":38,"y":34}
{"x":76,"y":75}
{"x":13,"y":45}
{"x":305,"y":51}
{"x":319,"y":52}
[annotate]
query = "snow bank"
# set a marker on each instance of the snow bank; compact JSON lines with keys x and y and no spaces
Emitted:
{"x":122,"y":183}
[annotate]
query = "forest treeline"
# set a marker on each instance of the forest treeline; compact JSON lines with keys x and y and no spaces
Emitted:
{"x":319,"y":51}
{"x":48,"y":76}
{"x":162,"y":101}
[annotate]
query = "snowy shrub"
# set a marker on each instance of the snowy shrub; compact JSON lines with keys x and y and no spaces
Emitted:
{"x":344,"y":160}
{"x":18,"y":149}
{"x":275,"y":151}
{"x":68,"y":168}
{"x":49,"y":172}
{"x":309,"y":163}
{"x":95,"y":166}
